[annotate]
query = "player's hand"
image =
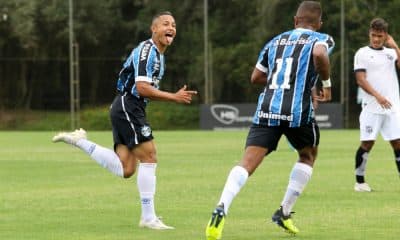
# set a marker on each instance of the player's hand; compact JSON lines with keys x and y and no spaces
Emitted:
{"x":390,"y":42}
{"x":315,"y":102}
{"x":384,"y":102}
{"x":324,"y":95}
{"x":184,"y":96}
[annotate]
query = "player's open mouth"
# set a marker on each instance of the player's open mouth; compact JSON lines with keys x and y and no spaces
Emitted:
{"x":170,"y":37}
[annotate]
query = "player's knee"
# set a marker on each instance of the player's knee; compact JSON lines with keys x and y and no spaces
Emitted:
{"x":128,"y":173}
{"x":307,"y":158}
{"x":129,"y":170}
{"x":151,"y":158}
{"x":367,"y":145}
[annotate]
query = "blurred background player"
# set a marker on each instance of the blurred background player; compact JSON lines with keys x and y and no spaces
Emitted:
{"x":375,"y":71}
{"x":133,"y":140}
{"x":288,"y":66}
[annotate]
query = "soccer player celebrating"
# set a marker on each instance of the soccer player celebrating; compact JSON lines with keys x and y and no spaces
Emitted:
{"x":133,"y":140}
{"x":288,"y":66}
{"x":375,"y":70}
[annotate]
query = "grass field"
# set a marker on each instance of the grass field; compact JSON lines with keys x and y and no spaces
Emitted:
{"x":54,"y":191}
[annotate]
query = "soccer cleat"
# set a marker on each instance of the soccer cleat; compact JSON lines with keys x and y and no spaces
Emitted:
{"x":284,"y":222}
{"x":216,"y":224}
{"x":155,"y":224}
{"x":362,"y":187}
{"x":70,"y":137}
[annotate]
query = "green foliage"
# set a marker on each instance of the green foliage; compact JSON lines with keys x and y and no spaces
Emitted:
{"x":169,"y":116}
{"x":34,"y":120}
{"x":161,"y":116}
{"x":96,"y":118}
{"x":34,"y":67}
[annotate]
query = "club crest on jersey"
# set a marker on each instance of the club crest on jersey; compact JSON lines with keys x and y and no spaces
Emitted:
{"x":146,"y":131}
{"x":390,"y":57}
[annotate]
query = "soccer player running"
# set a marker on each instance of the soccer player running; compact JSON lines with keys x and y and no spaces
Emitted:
{"x":133,"y":140}
{"x":375,"y":70}
{"x":288,"y":66}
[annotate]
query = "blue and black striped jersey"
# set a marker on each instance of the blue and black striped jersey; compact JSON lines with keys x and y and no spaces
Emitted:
{"x":288,"y":63}
{"x":145,"y":63}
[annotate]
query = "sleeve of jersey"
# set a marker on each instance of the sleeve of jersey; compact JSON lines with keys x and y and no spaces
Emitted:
{"x":262,"y":62}
{"x":328,"y":42}
{"x":359,"y":64}
{"x":145,"y":65}
{"x":394,"y":55}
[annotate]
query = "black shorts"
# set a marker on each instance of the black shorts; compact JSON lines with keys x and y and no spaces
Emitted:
{"x":268,"y":137}
{"x":128,"y":119}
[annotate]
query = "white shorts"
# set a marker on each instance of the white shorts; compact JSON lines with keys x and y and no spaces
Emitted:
{"x":372,"y":123}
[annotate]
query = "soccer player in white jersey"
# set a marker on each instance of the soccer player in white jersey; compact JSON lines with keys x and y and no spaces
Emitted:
{"x":375,"y":70}
{"x":133,"y":140}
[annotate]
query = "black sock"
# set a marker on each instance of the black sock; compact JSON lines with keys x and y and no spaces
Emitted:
{"x":397,"y":156}
{"x":360,"y":179}
{"x":359,"y":161}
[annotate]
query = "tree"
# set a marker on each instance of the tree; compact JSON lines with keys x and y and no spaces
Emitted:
{"x":34,"y":69}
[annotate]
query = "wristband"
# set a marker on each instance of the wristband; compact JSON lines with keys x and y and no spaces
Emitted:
{"x":326,"y":83}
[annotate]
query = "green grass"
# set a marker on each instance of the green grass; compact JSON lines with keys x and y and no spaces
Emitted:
{"x":54,"y":191}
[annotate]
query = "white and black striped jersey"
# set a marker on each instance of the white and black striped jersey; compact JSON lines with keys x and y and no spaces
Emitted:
{"x":145,"y":63}
{"x":287,"y":61}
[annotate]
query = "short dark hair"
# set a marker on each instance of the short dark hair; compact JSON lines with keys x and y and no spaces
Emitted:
{"x":309,"y":11}
{"x":161,"y":14}
{"x":379,"y":24}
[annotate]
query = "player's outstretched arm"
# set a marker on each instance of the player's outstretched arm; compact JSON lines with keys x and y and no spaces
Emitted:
{"x":181,"y":96}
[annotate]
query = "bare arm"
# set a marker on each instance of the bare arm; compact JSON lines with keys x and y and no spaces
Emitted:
{"x":258,"y":77}
{"x":181,"y":96}
{"x":361,"y":78}
{"x":390,"y":42}
{"x":322,"y":66}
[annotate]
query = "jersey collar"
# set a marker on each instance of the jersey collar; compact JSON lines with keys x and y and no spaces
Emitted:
{"x":151,"y":40}
{"x":381,"y":48}
{"x":304,"y":29}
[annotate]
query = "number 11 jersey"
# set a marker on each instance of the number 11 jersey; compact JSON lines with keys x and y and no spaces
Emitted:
{"x":287,"y":61}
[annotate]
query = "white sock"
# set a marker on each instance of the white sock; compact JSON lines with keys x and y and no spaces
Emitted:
{"x":146,"y":181}
{"x":236,"y":179}
{"x":107,"y":158}
{"x":299,"y":177}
